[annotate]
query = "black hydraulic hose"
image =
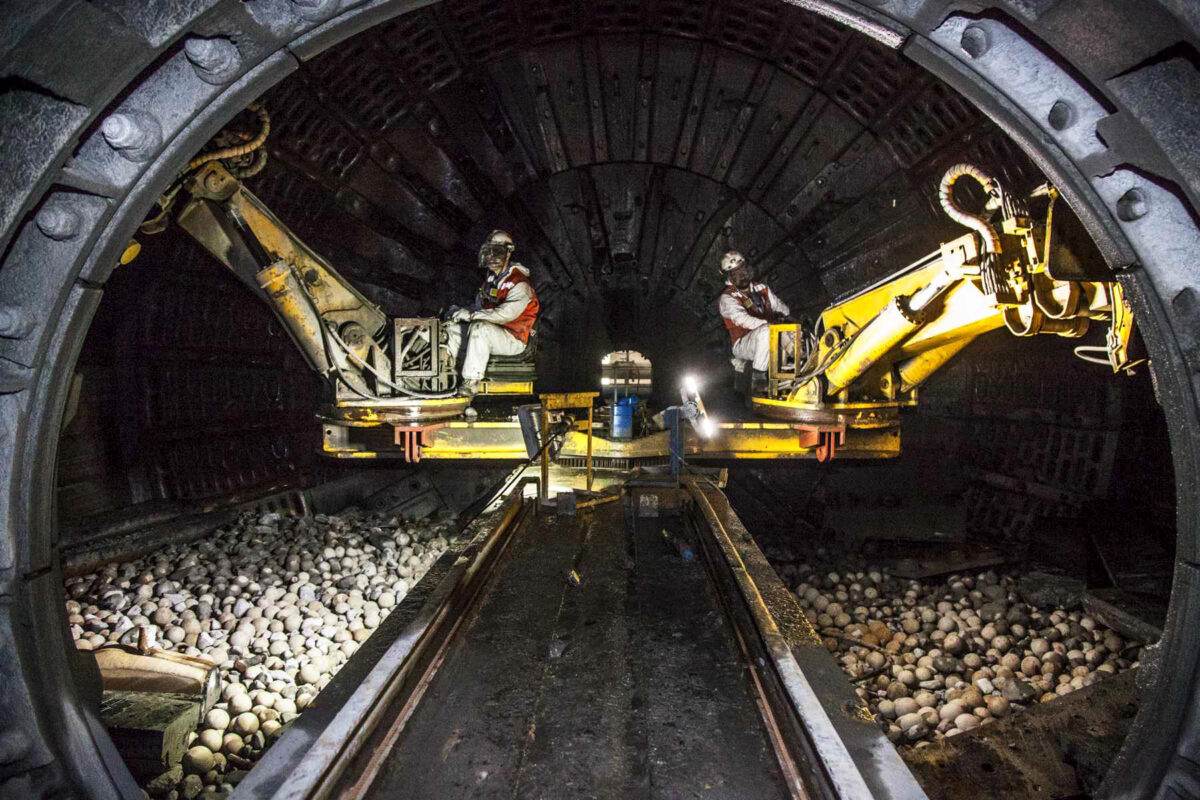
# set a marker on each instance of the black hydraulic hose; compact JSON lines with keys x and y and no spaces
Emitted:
{"x":334,"y":374}
{"x":260,"y":255}
{"x":333,"y":365}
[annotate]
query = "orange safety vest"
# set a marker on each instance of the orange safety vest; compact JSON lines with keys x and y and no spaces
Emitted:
{"x":746,"y":299}
{"x":495,"y":291}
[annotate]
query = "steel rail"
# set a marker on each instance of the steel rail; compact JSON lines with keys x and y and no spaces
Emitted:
{"x":342,"y":758}
{"x":788,"y":765}
{"x":822,"y":757}
{"x":388,"y":692}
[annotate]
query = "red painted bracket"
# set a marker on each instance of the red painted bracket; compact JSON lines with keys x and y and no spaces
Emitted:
{"x":824,"y":438}
{"x":829,"y":443}
{"x":413,"y":438}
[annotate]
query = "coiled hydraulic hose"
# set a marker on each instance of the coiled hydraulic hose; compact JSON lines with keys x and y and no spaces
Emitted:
{"x":257,"y":164}
{"x":977,"y":223}
{"x":242,"y":149}
{"x":989,"y":272}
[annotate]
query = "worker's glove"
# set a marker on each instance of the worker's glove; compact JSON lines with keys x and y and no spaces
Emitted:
{"x":460,"y":315}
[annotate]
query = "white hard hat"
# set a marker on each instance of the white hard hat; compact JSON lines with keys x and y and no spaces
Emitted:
{"x":731,"y":261}
{"x":496,"y":248}
{"x":499,"y":237}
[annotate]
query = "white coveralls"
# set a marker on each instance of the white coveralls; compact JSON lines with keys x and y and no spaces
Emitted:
{"x":754,"y":346}
{"x":486,"y":334}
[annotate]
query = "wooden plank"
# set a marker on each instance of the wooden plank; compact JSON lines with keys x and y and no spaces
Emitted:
{"x":966,"y":560}
{"x":149,"y":729}
{"x":1135,"y":617}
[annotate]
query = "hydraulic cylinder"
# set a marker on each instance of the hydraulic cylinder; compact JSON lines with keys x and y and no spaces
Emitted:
{"x":296,"y":310}
{"x":889,"y":328}
{"x":915,"y":370}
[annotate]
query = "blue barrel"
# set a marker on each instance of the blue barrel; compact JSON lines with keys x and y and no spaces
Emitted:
{"x":623,"y":413}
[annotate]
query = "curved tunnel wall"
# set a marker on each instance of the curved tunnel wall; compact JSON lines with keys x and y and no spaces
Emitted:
{"x":626,"y":151}
{"x":1131,"y":184}
{"x":189,"y":390}
{"x":626,"y":146}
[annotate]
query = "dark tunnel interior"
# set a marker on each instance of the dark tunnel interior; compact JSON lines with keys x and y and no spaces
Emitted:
{"x":625,"y":147}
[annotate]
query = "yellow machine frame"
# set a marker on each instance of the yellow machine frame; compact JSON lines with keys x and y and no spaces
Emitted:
{"x":460,"y":440}
{"x":490,"y":386}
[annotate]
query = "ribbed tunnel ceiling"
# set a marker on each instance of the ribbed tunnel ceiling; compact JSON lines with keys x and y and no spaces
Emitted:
{"x":626,"y":145}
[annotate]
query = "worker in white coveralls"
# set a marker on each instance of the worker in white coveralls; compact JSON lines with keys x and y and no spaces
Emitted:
{"x":503,"y":314}
{"x":748,"y":308}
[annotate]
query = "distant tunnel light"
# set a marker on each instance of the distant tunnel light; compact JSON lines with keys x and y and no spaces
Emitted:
{"x":625,"y":370}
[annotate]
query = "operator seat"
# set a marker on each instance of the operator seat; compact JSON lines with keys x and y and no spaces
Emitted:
{"x":521,"y":367}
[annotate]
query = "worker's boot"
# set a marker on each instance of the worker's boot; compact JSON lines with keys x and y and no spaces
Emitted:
{"x":758,"y":383}
{"x":468,"y":388}
{"x":741,"y":383}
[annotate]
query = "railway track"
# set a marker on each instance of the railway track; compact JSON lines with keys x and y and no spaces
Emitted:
{"x":650,"y":676}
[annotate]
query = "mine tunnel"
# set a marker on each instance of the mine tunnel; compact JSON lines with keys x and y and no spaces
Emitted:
{"x":229,"y":570}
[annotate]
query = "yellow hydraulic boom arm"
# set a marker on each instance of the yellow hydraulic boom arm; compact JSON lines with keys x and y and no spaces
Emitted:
{"x":869,"y":352}
{"x":343,"y":335}
{"x":331,"y":322}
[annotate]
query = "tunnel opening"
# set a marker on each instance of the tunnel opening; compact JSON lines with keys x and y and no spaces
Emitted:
{"x":393,"y":159}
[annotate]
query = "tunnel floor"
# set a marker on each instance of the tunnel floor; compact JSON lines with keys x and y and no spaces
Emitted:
{"x":629,"y":684}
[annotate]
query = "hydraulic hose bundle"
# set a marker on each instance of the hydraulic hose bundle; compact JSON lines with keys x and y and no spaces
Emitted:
{"x":989,"y":271}
{"x":237,"y":151}
{"x":234,"y":153}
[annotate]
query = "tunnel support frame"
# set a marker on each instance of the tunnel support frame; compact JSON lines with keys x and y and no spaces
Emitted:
{"x":1138,"y":197}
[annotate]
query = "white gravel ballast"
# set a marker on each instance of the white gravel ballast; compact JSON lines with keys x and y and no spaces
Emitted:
{"x":277,"y":603}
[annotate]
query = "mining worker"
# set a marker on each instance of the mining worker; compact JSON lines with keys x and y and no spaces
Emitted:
{"x":502,"y":316}
{"x":748,"y":307}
